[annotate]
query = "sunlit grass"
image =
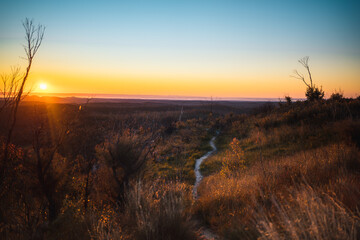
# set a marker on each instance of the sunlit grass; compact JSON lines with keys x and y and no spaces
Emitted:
{"x":230,"y":203}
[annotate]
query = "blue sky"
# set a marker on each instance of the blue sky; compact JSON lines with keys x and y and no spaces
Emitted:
{"x":218,"y":41}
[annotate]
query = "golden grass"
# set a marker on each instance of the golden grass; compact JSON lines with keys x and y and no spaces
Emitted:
{"x":159,"y":211}
{"x":230,"y":204}
{"x":308,"y":215}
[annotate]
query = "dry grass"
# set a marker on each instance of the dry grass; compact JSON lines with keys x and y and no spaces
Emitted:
{"x":308,"y":215}
{"x":229,"y":204}
{"x":106,"y":226}
{"x":158,"y":211}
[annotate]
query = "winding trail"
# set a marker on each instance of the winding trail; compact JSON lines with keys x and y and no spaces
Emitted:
{"x":198,"y":162}
{"x":206,"y":233}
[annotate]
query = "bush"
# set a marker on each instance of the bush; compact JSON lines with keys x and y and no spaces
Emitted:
{"x":314,"y":93}
{"x":288,"y":100}
{"x":337,"y":96}
{"x":233,"y":160}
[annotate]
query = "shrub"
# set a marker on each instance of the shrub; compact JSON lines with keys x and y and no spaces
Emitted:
{"x":337,"y":96}
{"x":233,"y":160}
{"x":314,"y":93}
{"x":288,"y":100}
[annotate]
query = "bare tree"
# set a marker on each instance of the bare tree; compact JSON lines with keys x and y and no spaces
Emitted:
{"x":305,"y":63}
{"x":312,"y":92}
{"x":44,"y":160}
{"x":33,"y":36}
{"x":14,"y":84}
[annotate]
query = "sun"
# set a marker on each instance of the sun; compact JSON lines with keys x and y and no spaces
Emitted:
{"x":43,"y":86}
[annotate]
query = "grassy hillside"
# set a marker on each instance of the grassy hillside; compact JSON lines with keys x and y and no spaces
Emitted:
{"x":294,"y":174}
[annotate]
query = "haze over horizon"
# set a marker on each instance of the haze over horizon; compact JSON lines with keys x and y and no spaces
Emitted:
{"x":45,"y":95}
{"x":223,"y":49}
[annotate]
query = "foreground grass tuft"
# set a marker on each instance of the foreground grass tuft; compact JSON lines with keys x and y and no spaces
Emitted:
{"x":158,"y":211}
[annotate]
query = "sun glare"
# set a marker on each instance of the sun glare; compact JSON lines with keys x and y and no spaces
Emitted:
{"x":43,"y":86}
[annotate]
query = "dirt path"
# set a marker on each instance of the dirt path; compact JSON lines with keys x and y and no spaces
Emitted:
{"x":206,"y":233}
{"x":198,"y":162}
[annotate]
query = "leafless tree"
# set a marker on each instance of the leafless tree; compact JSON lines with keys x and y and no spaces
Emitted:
{"x":305,"y":63}
{"x":45,"y":154}
{"x":312,"y":92}
{"x":33,"y":36}
{"x":14,"y":85}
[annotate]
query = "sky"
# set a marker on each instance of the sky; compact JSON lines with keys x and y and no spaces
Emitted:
{"x":203,"y":48}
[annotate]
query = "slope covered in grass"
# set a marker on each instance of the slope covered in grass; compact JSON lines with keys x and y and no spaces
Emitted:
{"x":298,"y":179}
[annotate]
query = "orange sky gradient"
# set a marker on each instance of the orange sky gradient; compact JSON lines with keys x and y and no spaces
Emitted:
{"x":249,"y":78}
{"x":269,"y":82}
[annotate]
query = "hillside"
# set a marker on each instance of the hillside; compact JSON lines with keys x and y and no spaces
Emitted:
{"x":290,"y":172}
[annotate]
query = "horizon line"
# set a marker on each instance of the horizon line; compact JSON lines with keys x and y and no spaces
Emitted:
{"x":155,"y":97}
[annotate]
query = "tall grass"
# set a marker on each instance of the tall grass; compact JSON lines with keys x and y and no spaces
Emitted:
{"x":158,"y":211}
{"x":235,"y":205}
{"x":308,"y":215}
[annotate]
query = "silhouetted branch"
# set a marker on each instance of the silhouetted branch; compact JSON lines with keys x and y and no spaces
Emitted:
{"x":300,"y":76}
{"x":33,"y":36}
{"x":10,"y":87}
{"x":305,"y":62}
